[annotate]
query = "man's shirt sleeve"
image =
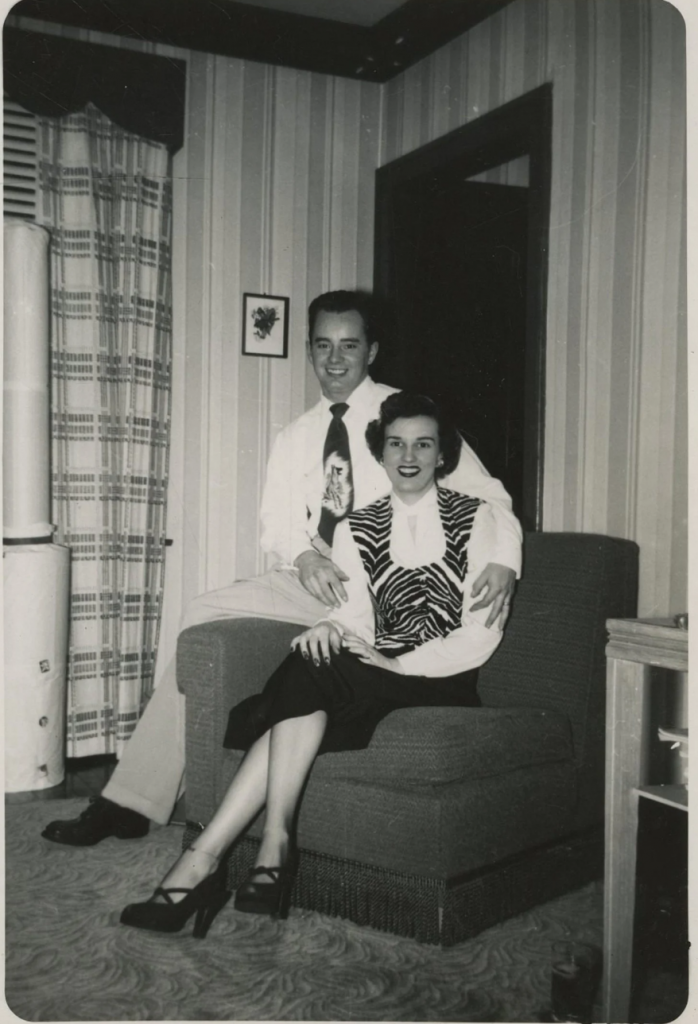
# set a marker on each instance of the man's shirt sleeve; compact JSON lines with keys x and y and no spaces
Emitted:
{"x":284,"y":514}
{"x":471,"y":477}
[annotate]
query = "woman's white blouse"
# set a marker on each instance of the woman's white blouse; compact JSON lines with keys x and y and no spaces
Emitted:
{"x":417,"y":538}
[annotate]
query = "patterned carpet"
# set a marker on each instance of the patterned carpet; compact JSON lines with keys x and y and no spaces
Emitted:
{"x":68,"y":958}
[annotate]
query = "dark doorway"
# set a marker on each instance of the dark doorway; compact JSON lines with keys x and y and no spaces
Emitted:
{"x":462,"y":265}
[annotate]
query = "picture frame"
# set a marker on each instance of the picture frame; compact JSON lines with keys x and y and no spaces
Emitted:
{"x":265,"y":325}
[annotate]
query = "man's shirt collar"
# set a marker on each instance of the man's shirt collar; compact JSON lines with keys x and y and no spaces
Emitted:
{"x":360,"y":397}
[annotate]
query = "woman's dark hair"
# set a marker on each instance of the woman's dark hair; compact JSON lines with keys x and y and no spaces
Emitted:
{"x":407,"y":405}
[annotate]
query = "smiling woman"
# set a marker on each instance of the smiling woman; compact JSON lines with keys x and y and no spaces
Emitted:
{"x":411,"y":456}
{"x":414,"y":442}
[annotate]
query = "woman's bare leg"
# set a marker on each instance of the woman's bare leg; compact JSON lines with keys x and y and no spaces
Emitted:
{"x":293,"y":747}
{"x":244,"y":799}
{"x":273,"y":771}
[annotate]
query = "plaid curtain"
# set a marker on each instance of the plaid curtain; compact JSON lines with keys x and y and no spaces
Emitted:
{"x":106,"y":197}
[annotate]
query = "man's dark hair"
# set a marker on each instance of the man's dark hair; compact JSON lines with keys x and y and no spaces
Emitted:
{"x":343,"y":302}
{"x":407,"y":405}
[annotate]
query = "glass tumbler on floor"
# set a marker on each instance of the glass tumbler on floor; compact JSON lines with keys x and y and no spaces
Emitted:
{"x":576,"y":973}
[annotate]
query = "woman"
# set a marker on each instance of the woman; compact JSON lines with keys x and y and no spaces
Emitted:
{"x":405,"y":637}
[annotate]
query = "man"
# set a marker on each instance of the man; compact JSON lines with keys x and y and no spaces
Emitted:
{"x":319,"y":470}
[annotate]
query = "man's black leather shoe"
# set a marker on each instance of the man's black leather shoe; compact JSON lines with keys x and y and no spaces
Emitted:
{"x":100,"y":819}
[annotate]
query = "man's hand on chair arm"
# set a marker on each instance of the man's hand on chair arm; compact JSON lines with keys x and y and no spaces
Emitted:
{"x":494,"y":586}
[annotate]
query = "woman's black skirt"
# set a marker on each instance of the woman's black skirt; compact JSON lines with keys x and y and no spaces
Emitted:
{"x":356,"y":696}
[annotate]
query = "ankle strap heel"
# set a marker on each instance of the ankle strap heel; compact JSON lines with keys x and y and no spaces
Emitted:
{"x":273,"y":897}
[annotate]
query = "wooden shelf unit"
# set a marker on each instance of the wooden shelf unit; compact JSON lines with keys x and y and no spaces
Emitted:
{"x":634,"y":647}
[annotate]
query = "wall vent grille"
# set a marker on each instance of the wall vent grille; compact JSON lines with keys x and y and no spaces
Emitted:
{"x":20,"y":164}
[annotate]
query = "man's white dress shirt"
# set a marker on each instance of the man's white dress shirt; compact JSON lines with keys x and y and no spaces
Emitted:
{"x":295,"y":480}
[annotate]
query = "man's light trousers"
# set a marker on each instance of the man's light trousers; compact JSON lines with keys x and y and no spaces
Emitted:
{"x":149,"y":778}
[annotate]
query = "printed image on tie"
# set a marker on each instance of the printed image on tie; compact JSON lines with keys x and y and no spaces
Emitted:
{"x":337,"y":496}
{"x":338,"y":492}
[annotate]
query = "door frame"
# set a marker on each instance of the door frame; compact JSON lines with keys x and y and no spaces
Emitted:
{"x":522,"y":127}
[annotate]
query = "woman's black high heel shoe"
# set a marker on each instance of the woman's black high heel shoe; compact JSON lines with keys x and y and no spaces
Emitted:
{"x":272,"y":898}
{"x":205,"y":900}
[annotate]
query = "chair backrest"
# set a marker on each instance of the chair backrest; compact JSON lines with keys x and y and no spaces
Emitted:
{"x":553,"y":651}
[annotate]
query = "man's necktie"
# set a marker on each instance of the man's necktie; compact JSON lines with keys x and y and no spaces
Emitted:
{"x":338,"y":493}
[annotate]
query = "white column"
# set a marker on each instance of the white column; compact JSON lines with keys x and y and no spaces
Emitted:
{"x":35,"y":575}
{"x":26,"y":433}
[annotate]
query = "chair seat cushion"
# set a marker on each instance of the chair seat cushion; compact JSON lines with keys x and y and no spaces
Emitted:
{"x":440,"y":745}
{"x":437,"y":831}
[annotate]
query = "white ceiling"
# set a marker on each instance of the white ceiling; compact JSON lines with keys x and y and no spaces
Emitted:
{"x":355,"y":12}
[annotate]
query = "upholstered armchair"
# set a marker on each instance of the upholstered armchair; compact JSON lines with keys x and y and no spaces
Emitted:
{"x":453,"y":818}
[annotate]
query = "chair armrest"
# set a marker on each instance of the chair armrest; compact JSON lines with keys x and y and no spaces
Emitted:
{"x":219,"y":664}
{"x":553,"y":651}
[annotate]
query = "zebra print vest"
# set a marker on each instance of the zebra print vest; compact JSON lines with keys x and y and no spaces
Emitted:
{"x":414,"y":605}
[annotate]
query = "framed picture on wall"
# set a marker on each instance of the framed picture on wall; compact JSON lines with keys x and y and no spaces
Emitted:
{"x":264,"y":325}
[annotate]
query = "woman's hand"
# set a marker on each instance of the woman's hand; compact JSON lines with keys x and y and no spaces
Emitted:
{"x":318,"y":642}
{"x":369,"y":655}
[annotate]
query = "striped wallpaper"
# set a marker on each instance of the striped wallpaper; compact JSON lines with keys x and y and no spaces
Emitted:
{"x":274,"y":192}
{"x":616,"y":417}
{"x":285,"y":163}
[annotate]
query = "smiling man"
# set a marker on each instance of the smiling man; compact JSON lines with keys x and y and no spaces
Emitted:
{"x":320,"y":470}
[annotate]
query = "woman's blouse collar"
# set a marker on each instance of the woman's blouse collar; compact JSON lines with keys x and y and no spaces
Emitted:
{"x":426,"y":502}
